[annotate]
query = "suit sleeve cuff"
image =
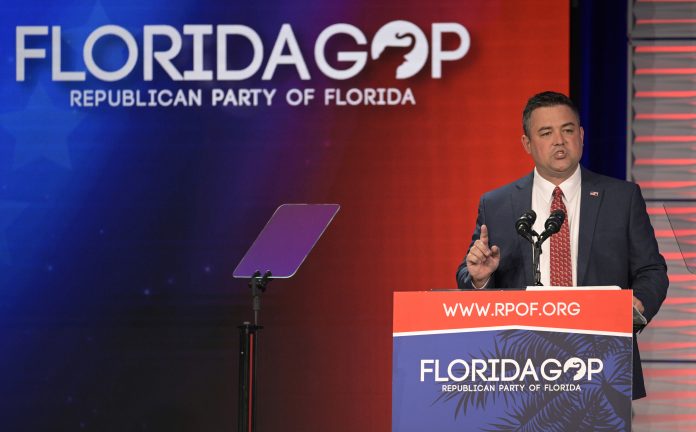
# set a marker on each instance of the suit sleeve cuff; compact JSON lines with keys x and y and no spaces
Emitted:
{"x":485,"y":284}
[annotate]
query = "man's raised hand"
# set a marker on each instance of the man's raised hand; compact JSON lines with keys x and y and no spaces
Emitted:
{"x":482,"y":260}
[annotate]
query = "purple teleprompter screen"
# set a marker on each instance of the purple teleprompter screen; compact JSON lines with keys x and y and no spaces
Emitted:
{"x":286,"y":240}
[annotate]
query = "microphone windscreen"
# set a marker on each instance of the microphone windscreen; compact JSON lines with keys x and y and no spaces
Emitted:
{"x":525,"y":222}
{"x":555,"y":221}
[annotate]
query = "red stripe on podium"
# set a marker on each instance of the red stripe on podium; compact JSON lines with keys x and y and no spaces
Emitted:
{"x":579,"y":310}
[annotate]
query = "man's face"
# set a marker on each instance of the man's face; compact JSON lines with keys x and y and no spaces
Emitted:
{"x":554,"y":141}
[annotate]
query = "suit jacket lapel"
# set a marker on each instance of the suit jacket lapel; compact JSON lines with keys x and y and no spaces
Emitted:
{"x":591,"y":195}
{"x":521,"y":202}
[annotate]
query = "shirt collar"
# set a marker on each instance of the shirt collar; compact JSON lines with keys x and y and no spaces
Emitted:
{"x":570,"y":186}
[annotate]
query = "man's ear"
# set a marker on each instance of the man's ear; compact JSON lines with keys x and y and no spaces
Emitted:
{"x":527,"y":144}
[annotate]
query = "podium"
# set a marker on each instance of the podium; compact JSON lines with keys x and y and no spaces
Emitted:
{"x":512,"y":360}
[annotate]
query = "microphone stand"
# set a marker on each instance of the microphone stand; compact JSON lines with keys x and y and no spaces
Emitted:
{"x":536,"y":261}
{"x":536,"y":258}
{"x":524,"y":228}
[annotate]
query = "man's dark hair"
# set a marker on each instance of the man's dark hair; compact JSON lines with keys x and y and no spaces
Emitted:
{"x":545,"y":99}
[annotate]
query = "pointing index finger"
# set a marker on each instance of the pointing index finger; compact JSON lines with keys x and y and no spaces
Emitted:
{"x":484,"y":234}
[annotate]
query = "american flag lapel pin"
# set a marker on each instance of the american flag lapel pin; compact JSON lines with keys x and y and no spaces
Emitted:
{"x":594,"y":193}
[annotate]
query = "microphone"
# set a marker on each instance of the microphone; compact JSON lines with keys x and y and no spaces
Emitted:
{"x":553,"y":224}
{"x":524,"y":224}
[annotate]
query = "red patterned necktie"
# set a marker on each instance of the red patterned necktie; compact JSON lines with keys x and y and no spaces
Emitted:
{"x":561,"y":266}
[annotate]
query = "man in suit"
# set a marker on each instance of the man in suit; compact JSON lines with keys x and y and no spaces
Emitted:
{"x":606,"y":238}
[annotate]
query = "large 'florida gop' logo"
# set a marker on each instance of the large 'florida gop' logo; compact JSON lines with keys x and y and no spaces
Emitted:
{"x":159,"y":46}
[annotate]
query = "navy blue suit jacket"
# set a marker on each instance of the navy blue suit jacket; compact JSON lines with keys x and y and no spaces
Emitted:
{"x":616,"y":244}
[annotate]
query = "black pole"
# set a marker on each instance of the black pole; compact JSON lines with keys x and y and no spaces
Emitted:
{"x":248,"y":350}
{"x":537,"y":264}
{"x":248,"y":334}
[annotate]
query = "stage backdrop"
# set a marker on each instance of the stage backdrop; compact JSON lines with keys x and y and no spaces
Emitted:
{"x":143,"y":145}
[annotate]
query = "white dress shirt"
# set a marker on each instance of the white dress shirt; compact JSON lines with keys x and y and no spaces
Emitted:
{"x":542,"y":196}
